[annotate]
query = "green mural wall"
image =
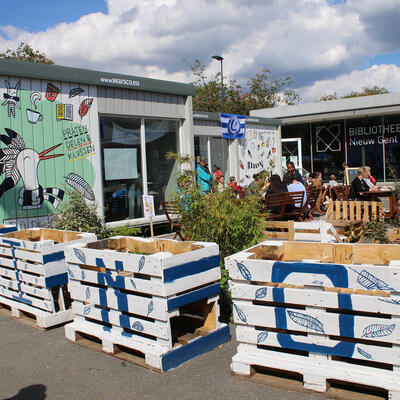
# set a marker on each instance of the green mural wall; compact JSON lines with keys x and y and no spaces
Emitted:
{"x":48,"y":145}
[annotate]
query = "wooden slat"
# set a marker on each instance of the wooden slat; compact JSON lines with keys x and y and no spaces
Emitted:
{"x":366,"y":217}
{"x":358,"y":210}
{"x":337,"y":206}
{"x":374,"y":210}
{"x":351,"y":207}
{"x":345,"y":210}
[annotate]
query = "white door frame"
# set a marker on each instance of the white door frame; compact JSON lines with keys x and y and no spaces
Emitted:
{"x":298,"y":140}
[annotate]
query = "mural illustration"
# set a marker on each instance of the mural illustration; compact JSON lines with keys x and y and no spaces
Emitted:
{"x":11,"y":98}
{"x":45,"y":150}
{"x":257,"y":153}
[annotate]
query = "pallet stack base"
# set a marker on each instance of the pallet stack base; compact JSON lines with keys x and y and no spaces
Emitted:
{"x":33,"y":274}
{"x":327,"y":312}
{"x":155,"y":298}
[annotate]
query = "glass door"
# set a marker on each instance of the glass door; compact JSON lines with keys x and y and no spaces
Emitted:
{"x":291,"y":151}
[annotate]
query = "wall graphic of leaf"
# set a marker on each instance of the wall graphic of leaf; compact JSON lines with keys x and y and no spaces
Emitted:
{"x":306,"y":320}
{"x":133,"y":284}
{"x":378,"y":330}
{"x":364,"y":353}
{"x":70,"y":273}
{"x":80,"y":185}
{"x":150,"y":307}
{"x":83,"y":275}
{"x":86,"y":310}
{"x":389,"y":301}
{"x":141,"y":263}
{"x":370,"y":281}
{"x":137,"y":326}
{"x":261,"y":293}
{"x":262,"y":336}
{"x":80,"y":255}
{"x":87,"y":293}
{"x":75,"y":91}
{"x":244,"y":271}
{"x":241,"y":314}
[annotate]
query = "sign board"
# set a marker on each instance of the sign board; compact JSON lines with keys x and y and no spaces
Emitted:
{"x":148,"y":205}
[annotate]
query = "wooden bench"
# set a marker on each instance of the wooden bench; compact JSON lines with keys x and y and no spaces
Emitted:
{"x":355,"y":210}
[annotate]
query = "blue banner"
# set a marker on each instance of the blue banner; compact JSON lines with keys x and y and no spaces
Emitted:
{"x":232,"y":126}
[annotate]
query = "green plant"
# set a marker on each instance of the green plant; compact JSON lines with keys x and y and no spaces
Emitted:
{"x":125,"y":230}
{"x":75,"y":214}
{"x":376,"y":230}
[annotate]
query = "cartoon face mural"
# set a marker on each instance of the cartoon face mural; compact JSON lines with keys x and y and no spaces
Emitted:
{"x":33,"y":178}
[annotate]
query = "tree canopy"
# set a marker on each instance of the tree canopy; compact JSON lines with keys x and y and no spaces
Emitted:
{"x":367,"y":91}
{"x":262,"y":91}
{"x":25,"y":52}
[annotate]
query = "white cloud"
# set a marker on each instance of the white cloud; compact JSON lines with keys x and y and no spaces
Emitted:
{"x":387,"y":76}
{"x":309,"y":40}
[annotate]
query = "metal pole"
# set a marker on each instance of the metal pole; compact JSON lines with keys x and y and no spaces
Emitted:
{"x":222,"y":89}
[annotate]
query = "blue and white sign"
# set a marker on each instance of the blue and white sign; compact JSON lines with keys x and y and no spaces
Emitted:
{"x":233,"y":126}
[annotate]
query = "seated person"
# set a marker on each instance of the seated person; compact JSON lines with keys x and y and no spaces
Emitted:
{"x":293,"y":185}
{"x":233,"y":184}
{"x":358,"y":185}
{"x":290,"y":167}
{"x":275,"y":185}
{"x":258,"y":186}
{"x":221,"y":183}
{"x":333,"y":181}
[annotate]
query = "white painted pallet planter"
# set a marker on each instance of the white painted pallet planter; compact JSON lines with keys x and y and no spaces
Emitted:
{"x":137,"y":300}
{"x":33,"y":273}
{"x":326,"y":311}
{"x":6,"y":228}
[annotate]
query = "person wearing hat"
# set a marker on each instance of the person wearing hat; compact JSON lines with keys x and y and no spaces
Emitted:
{"x":203,"y":175}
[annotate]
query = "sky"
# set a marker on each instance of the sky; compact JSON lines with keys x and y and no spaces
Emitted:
{"x":324,"y":46}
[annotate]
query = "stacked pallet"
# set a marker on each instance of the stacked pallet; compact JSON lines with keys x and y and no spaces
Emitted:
{"x":155,"y":297}
{"x":325,"y":311}
{"x":33,"y":273}
{"x":7,"y":228}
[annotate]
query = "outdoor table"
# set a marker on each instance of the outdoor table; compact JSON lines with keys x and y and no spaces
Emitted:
{"x":375,"y":194}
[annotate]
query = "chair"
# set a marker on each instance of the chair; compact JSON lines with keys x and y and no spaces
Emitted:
{"x":341,"y":192}
{"x":311,"y":202}
{"x":171,"y":211}
{"x":292,"y":209}
{"x":275,"y":205}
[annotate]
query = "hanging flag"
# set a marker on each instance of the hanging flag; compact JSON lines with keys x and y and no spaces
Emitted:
{"x":232,"y":126}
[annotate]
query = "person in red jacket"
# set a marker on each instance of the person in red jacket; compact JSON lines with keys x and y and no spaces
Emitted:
{"x":235,"y":187}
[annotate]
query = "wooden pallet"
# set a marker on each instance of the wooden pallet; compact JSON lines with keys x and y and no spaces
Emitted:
{"x":355,"y":210}
{"x":288,"y":380}
{"x":145,"y":296}
{"x":33,"y":273}
{"x":319,"y":310}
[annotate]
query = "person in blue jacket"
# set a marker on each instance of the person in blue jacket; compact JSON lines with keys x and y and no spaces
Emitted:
{"x":290,"y":167}
{"x":203,"y":175}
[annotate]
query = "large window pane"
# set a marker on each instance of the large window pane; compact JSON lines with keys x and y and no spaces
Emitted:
{"x":328,"y":147}
{"x":219,"y":155}
{"x":364,"y":144}
{"x":122,"y":172}
{"x":161,"y":137}
{"x":391,"y":138}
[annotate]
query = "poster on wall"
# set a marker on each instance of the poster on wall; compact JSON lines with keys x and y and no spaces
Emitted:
{"x":46,"y":148}
{"x":257,"y":152}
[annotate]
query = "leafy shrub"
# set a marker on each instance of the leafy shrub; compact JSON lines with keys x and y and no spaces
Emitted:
{"x":125,"y":230}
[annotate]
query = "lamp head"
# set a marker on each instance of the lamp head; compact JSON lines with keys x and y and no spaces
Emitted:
{"x":218,"y":58}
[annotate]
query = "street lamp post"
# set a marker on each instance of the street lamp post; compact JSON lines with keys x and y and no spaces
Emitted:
{"x":219,"y":58}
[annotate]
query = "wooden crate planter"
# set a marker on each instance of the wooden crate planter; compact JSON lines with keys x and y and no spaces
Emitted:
{"x":33,"y":273}
{"x":161,"y":301}
{"x":326,"y":311}
{"x":355,"y":210}
{"x":7,"y":228}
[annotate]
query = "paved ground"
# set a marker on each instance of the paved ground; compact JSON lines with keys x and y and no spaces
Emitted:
{"x":36,"y":365}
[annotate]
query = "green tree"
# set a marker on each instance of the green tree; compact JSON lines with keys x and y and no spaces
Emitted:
{"x":367,"y":91}
{"x":24,"y":52}
{"x":262,"y":91}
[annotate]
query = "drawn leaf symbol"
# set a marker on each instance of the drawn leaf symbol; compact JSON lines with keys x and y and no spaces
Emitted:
{"x":10,"y":284}
{"x":87,"y":293}
{"x":80,"y":255}
{"x":133,"y":284}
{"x":70,"y":273}
{"x":262,"y":336}
{"x":371,"y":282}
{"x":378,"y":330}
{"x":137,"y":326}
{"x":306,"y":320}
{"x":75,"y":91}
{"x":86,"y":310}
{"x":83,"y":275}
{"x":261,"y":293}
{"x":141,"y":263}
{"x":150,"y":307}
{"x":240,"y":313}
{"x":364,"y":353}
{"x":244,"y":271}
{"x":389,"y":301}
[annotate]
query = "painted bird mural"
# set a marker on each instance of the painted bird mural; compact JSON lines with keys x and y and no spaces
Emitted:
{"x":18,"y":162}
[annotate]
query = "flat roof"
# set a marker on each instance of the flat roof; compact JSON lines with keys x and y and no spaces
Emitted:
{"x":332,"y":106}
{"x":212,"y":116}
{"x":52,"y":72}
